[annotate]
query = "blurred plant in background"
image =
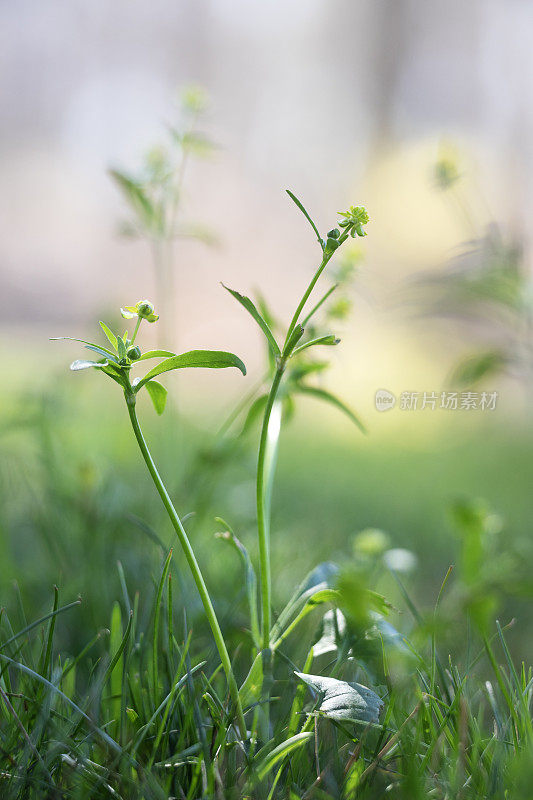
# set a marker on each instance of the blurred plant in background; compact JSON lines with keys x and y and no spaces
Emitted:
{"x":487,"y":289}
{"x":155,"y":197}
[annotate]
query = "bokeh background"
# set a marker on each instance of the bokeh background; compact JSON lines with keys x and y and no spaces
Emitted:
{"x":346,"y":101}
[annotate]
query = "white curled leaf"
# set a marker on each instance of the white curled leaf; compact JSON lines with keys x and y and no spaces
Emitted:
{"x":342,"y":700}
{"x":332,"y":629}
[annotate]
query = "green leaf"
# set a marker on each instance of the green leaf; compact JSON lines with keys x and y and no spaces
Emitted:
{"x":251,"y":580}
{"x":156,"y":354}
{"x":254,"y":412}
{"x":211,"y":359}
{"x":330,"y":339}
{"x":342,"y":700}
{"x":81,"y":363}
{"x":293,"y":340}
{"x":321,"y":577}
{"x":250,"y":307}
{"x":91,"y":345}
{"x":102,"y":352}
{"x":135,"y":194}
{"x":252,"y":688}
{"x":121,"y":348}
{"x":280,"y":752}
{"x":110,"y":335}
{"x":158,"y":394}
{"x":316,"y":599}
{"x":474,"y":368}
{"x":322,"y":394}
{"x":306,"y":215}
{"x":115,"y":640}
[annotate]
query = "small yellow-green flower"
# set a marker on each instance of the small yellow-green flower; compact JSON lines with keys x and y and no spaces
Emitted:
{"x":143,"y":309}
{"x":354,"y":218}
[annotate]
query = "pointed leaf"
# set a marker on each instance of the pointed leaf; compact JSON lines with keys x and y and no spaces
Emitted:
{"x":156,"y":354}
{"x":211,"y":359}
{"x":306,"y":215}
{"x":252,"y":688}
{"x":251,"y":579}
{"x":322,"y":394}
{"x":158,"y":394}
{"x":134,"y":192}
{"x":109,"y":334}
{"x":102,"y":352}
{"x":321,"y":577}
{"x":342,"y":700}
{"x":280,"y":752}
{"x":250,"y":307}
{"x":121,"y":348}
{"x":330,"y":339}
{"x":105,"y":352}
{"x":254,"y":412}
{"x":81,"y":363}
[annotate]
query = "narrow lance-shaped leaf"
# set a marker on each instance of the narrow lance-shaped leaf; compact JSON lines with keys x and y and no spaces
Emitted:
{"x":81,"y":363}
{"x":135,"y":194}
{"x":330,"y":339}
{"x":252,"y":687}
{"x":322,"y":394}
{"x":158,"y":395}
{"x":250,"y":307}
{"x":109,"y":334}
{"x":156,"y":354}
{"x":306,"y":215}
{"x":211,"y":359}
{"x":318,"y":598}
{"x":343,"y":700}
{"x":254,"y":412}
{"x":251,"y":579}
{"x":280,"y":752}
{"x":104,"y":352}
{"x":321,"y":577}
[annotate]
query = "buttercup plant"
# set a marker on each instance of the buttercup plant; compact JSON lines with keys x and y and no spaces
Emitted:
{"x":125,"y":355}
{"x":117,"y":363}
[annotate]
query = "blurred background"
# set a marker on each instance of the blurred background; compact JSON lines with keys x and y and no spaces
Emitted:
{"x":422,"y":112}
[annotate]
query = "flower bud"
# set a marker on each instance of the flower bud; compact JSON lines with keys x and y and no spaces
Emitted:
{"x":145,"y":309}
{"x":331,"y":244}
{"x":133,"y":353}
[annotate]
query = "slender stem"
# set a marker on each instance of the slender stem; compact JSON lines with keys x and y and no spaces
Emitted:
{"x":319,"y":304}
{"x":325,"y":259}
{"x":303,"y":301}
{"x":263,"y":522}
{"x":193,"y":564}
{"x":136,"y":330}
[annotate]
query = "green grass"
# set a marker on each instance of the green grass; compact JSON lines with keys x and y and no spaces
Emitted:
{"x":67,"y":518}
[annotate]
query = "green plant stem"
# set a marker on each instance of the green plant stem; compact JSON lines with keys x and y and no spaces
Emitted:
{"x":303,"y":301}
{"x":193,"y":564}
{"x":323,"y":264}
{"x":137,"y":324}
{"x":263,"y":522}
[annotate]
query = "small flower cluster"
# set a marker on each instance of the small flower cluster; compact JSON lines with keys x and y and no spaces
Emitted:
{"x":352,"y":223}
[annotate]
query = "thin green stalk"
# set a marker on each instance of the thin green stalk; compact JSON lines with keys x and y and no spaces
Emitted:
{"x":263,"y":522}
{"x":303,"y":301}
{"x":137,"y":324}
{"x":193,"y":564}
